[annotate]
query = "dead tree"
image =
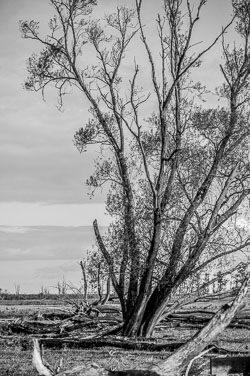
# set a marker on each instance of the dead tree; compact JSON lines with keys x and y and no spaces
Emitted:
{"x":85,"y":280}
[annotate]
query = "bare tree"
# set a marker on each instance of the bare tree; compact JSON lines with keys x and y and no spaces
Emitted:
{"x":179,"y":178}
{"x":44,"y":290}
{"x":85,"y":279}
{"x":17,"y":289}
{"x":98,"y":275}
{"x":61,"y":287}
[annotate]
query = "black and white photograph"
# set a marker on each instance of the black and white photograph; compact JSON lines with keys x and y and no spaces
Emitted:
{"x":124,"y":187}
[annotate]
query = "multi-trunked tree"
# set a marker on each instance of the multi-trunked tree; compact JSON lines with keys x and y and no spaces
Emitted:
{"x":178,"y":171}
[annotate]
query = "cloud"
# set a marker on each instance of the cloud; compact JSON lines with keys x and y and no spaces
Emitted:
{"x":15,"y":229}
{"x":46,"y":243}
{"x":39,"y":214}
{"x":62,"y":268}
{"x":31,"y":275}
{"x":38,"y":160}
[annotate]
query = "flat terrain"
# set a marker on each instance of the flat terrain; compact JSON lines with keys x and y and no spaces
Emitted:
{"x":16,"y":359}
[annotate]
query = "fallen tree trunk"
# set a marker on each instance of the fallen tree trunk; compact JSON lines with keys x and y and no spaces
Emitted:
{"x":63,"y":326}
{"x":119,"y":342}
{"x":45,"y":327}
{"x":201,"y":318}
{"x":175,"y":364}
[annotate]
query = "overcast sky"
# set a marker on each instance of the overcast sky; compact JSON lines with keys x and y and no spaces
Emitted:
{"x":42,"y":175}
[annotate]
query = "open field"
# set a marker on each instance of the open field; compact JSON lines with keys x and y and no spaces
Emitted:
{"x":16,"y":348}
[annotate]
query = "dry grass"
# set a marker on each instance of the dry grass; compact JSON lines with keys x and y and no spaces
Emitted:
{"x":14,"y":361}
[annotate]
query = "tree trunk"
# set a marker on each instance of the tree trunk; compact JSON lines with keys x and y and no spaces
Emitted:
{"x":177,"y":362}
{"x":85,"y":281}
{"x":143,"y":322}
{"x":134,"y":324}
{"x":99,"y":287}
{"x":151,"y":322}
{"x":107,"y":295}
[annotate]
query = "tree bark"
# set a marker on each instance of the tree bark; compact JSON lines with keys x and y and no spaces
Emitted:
{"x":107,"y":295}
{"x":85,"y":281}
{"x":99,"y":287}
{"x":134,"y":324}
{"x":175,"y":364}
{"x":112,"y":341}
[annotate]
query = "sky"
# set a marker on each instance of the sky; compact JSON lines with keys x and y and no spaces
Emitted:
{"x":46,"y":214}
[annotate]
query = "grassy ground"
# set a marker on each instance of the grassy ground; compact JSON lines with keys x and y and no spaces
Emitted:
{"x":15,"y":361}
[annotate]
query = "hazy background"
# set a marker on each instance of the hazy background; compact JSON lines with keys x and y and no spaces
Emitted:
{"x":45,"y":213}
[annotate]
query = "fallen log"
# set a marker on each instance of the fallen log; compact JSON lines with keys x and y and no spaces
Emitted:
{"x":107,"y":324}
{"x":86,"y":343}
{"x":119,"y":342}
{"x":176,"y":363}
{"x":89,"y":369}
{"x":57,"y":315}
{"x":61,"y":326}
{"x":198,"y":318}
{"x":33,"y":327}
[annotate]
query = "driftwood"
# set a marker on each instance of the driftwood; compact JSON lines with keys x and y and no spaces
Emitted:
{"x":47,"y":327}
{"x":109,"y":323}
{"x":119,"y":342}
{"x":86,"y":370}
{"x":57,"y":323}
{"x":175,"y":363}
{"x":59,"y":327}
{"x":197,"y":318}
{"x":128,"y":344}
